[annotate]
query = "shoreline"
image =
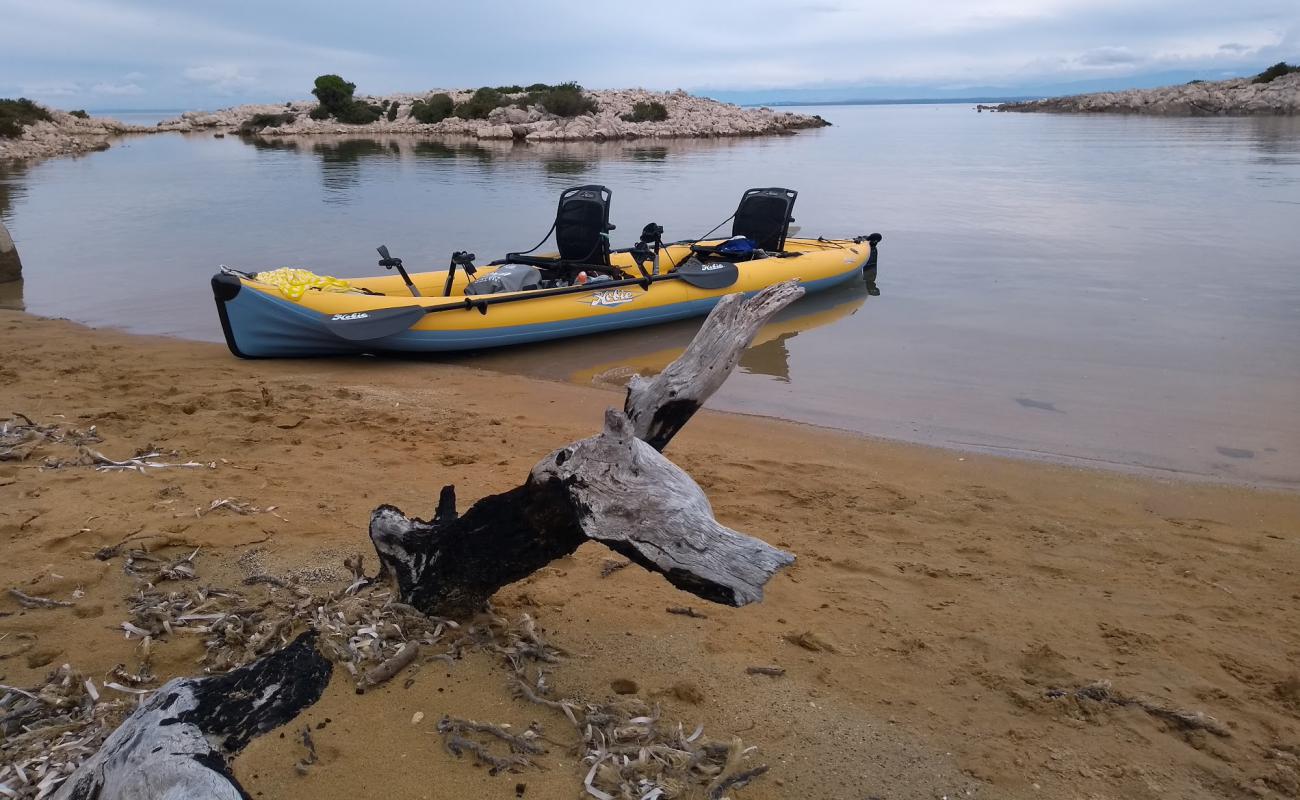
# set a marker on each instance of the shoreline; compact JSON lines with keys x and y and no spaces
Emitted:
{"x":957,"y":595}
{"x":1172,"y":475}
{"x":685,"y":116}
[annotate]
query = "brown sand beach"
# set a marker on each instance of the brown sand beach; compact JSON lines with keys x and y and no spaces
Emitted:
{"x":956,"y":625}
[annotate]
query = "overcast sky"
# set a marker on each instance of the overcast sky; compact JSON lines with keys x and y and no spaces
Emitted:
{"x":168,"y":54}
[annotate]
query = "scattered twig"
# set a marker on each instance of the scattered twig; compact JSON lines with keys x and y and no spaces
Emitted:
{"x":234,"y":504}
{"x":31,"y":601}
{"x":526,"y":742}
{"x":1102,"y":692}
{"x":457,"y":745}
{"x":686,"y":611}
{"x":400,"y":661}
{"x":775,"y":672}
{"x":141,"y":462}
{"x":304,"y":764}
{"x":611,"y":566}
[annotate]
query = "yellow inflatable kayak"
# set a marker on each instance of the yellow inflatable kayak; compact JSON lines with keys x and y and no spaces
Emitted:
{"x":584,"y":288}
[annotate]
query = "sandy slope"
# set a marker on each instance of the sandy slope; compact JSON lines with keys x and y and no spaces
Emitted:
{"x":956,"y":590}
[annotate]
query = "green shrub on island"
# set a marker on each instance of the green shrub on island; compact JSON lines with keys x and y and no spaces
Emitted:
{"x":538,"y":87}
{"x":566,"y":100}
{"x":432,"y":109}
{"x":359,"y":113}
{"x":652,"y":111}
{"x":480,"y":104}
{"x":80,"y":113}
{"x":512,"y":89}
{"x":335,"y":96}
{"x":1276,"y":71}
{"x":392,"y":110}
{"x":333,"y":92}
{"x":17,"y":114}
{"x":259,"y":122}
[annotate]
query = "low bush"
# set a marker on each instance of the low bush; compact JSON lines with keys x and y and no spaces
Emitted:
{"x":566,"y":100}
{"x":17,"y":114}
{"x":652,"y":111}
{"x":1276,"y":71}
{"x":80,"y":113}
{"x":257,"y":122}
{"x":358,"y":113}
{"x":319,"y":112}
{"x":432,"y":109}
{"x":538,"y":87}
{"x":392,"y":110}
{"x":480,"y":104}
{"x":512,"y":89}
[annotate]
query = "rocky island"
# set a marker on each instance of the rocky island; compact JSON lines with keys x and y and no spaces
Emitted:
{"x":565,"y":112}
{"x":1275,"y":91}
{"x":537,"y":113}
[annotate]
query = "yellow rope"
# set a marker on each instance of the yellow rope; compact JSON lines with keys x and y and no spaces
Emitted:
{"x":292,"y":282}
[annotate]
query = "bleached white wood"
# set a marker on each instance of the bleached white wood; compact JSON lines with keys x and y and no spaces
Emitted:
{"x":660,"y":406}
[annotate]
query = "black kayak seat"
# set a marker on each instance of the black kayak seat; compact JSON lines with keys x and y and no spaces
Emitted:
{"x":763,"y":217}
{"x":581,"y":231}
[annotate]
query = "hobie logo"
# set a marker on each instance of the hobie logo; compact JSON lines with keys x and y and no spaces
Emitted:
{"x":354,"y":315}
{"x":609,"y":298}
{"x":711,"y":267}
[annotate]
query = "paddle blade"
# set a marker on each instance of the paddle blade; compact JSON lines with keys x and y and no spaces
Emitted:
{"x":708,"y":275}
{"x":361,"y":326}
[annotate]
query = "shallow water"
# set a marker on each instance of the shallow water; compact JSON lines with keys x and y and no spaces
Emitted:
{"x":1102,"y":290}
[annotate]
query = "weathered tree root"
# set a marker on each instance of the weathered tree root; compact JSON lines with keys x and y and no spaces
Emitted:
{"x":178,"y":743}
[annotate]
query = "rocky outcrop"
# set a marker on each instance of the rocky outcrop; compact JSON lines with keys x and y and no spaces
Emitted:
{"x":64,"y":134}
{"x":11,"y":268}
{"x":688,"y":116}
{"x":1237,"y":97}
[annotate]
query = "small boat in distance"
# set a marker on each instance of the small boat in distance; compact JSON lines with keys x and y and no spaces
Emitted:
{"x":584,"y":288}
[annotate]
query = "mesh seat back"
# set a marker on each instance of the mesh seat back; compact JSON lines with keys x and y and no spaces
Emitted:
{"x":764,"y":215}
{"x":582,"y":225}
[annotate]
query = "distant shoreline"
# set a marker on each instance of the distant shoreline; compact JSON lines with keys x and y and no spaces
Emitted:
{"x":911,"y":101}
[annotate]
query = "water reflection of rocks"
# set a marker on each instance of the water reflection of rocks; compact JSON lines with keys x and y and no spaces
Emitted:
{"x":344,"y":159}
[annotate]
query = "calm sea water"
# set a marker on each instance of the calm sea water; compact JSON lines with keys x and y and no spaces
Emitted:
{"x":1100,"y":290}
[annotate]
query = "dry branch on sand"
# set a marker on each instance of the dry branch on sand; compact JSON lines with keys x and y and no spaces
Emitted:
{"x":614,"y":488}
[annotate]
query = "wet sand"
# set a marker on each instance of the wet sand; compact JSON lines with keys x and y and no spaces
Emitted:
{"x":957,"y":591}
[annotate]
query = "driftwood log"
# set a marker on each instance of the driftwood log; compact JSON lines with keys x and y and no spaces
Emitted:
{"x":614,"y":488}
{"x":177,"y":745}
{"x":660,"y":406}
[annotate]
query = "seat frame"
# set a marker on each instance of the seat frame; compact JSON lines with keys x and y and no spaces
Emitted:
{"x":568,"y":264}
{"x":744,"y":221}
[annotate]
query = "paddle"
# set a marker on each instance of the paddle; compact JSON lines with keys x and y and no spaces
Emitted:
{"x":361,"y":326}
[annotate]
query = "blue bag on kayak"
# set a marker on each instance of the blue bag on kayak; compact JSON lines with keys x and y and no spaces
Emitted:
{"x":737,"y":247}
